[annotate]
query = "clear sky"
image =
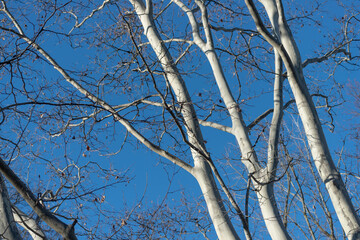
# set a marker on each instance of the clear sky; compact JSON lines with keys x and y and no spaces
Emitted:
{"x":152,"y":187}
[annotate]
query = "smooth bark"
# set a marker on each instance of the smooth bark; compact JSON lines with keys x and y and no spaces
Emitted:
{"x":201,"y":170}
{"x":29,"y":224}
{"x":290,"y":54}
{"x":262,"y":177}
{"x":266,"y":195}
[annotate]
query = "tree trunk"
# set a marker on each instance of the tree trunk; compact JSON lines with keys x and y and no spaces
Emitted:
{"x":223,"y":226}
{"x":201,"y":171}
{"x":265,"y":193}
{"x":313,"y":129}
{"x":270,"y":212}
{"x":8,"y":229}
{"x":28,"y":224}
{"x":238,"y":128}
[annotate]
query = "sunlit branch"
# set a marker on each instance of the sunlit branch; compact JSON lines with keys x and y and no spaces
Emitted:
{"x":326,"y":56}
{"x":13,"y":20}
{"x":200,"y":149}
{"x":290,"y":55}
{"x":184,"y":53}
{"x":102,"y":103}
{"x":216,"y":126}
{"x":207,"y":47}
{"x":219,"y":218}
{"x":235,"y":112}
{"x":234,"y":29}
{"x":205,"y":23}
{"x":194,"y":24}
{"x":232,"y":201}
{"x":169,"y":41}
{"x":163,"y":10}
{"x":272,"y":40}
{"x":286,"y":105}
{"x":274,"y":132}
{"x":118,"y":108}
{"x":78,"y":25}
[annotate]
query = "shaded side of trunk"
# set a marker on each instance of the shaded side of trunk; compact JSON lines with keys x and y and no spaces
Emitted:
{"x":8,"y":229}
{"x":28,"y":224}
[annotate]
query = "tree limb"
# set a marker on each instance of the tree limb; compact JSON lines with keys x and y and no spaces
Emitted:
{"x":67,"y":231}
{"x":29,"y":224}
{"x":216,"y":126}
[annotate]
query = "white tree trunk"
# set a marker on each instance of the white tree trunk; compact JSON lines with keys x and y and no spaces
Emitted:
{"x":201,"y":170}
{"x":265,"y":195}
{"x":223,"y":226}
{"x":8,"y":229}
{"x":28,"y":224}
{"x":270,"y":212}
{"x":314,"y":132}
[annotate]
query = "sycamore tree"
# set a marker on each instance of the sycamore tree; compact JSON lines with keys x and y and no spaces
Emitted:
{"x":97,"y":77}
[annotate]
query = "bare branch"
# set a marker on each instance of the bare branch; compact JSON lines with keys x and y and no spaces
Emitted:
{"x":78,"y":25}
{"x":67,"y":231}
{"x":205,"y":22}
{"x":103,"y":104}
{"x":170,"y":41}
{"x":29,"y":224}
{"x":233,"y":29}
{"x":194,"y":24}
{"x":274,"y":132}
{"x":326,"y":56}
{"x":216,"y":126}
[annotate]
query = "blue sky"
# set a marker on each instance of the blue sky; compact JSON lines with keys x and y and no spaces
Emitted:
{"x":148,"y":173}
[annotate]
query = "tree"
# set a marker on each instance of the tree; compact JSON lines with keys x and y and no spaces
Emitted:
{"x":143,"y":54}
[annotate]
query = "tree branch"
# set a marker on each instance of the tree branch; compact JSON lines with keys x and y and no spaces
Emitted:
{"x":216,"y":126}
{"x":29,"y":224}
{"x":67,"y":231}
{"x":326,"y":56}
{"x":99,"y":101}
{"x":78,"y":25}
